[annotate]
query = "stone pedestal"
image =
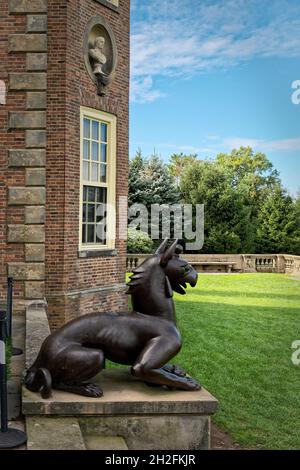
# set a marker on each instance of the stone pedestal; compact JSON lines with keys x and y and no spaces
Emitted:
{"x":145,"y":417}
{"x":129,"y":415}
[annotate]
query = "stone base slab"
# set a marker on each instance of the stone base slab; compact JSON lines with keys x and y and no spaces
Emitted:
{"x":145,"y":417}
{"x":53,"y":434}
{"x":161,"y":432}
{"x":123,"y":394}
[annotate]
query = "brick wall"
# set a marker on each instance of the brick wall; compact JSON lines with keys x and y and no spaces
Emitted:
{"x":41,"y":155}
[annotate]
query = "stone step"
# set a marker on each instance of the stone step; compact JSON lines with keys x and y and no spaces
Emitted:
{"x":37,"y":329}
{"x":64,"y":433}
{"x":94,"y":442}
{"x":48,"y":433}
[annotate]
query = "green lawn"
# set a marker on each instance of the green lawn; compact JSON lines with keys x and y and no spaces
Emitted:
{"x":237,"y":332}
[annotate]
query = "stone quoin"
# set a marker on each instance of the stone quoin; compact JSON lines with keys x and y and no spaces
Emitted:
{"x":63,"y":152}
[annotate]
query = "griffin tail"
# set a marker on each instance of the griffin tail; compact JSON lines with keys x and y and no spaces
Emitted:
{"x":39,"y":380}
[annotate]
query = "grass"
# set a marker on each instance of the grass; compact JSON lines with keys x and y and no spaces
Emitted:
{"x":237,"y":332}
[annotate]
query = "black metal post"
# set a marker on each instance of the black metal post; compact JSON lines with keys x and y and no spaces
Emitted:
{"x":9,"y":437}
{"x":9,"y":304}
{"x":3,"y":383}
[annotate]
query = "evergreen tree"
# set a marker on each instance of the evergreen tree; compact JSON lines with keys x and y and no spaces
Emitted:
{"x":136,"y":185}
{"x":278,"y":229}
{"x":226,"y":217}
{"x":150,"y":182}
{"x":246,"y":208}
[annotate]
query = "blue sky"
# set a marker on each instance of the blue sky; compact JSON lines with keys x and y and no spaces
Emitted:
{"x":208,"y":76}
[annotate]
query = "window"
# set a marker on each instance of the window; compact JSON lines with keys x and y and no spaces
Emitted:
{"x":98,"y":174}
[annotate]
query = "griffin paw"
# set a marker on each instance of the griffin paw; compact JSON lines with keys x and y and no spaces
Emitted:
{"x":174,"y":369}
{"x":192,"y":384}
{"x":92,"y":390}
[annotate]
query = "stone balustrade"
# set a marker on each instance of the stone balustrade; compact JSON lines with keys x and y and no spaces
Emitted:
{"x":133,"y":261}
{"x":245,"y":263}
{"x":292,"y":264}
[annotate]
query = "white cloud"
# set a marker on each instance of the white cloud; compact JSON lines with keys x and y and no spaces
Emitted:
{"x":288,"y":145}
{"x":183,"y":37}
{"x":142,"y":90}
{"x":188,"y":149}
{"x":215,"y":145}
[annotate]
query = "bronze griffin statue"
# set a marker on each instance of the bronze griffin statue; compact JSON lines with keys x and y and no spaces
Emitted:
{"x":146,"y":338}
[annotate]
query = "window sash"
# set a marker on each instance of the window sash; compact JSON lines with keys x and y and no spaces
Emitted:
{"x":108,"y":139}
{"x":94,"y":210}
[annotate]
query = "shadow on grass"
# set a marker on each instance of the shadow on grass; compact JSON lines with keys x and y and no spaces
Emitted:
{"x":238,"y":293}
{"x":202,"y":306}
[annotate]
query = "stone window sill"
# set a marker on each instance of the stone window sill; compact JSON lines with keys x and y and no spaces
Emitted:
{"x":96,"y":253}
{"x":107,"y":4}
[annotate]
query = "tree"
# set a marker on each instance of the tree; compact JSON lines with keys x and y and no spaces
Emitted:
{"x":150,"y":182}
{"x":246,"y":208}
{"x":254,"y":169}
{"x":226,"y":217}
{"x":136,"y":184}
{"x":233,"y":189}
{"x":178,"y":163}
{"x":297,"y":223}
{"x":279,"y":227}
{"x":255,"y":175}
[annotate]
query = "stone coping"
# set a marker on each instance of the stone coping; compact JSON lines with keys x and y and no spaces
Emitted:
{"x":37,"y":329}
{"x":123,"y":395}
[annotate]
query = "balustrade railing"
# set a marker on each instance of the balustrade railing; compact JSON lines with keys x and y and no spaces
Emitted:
{"x":134,"y":260}
{"x":248,"y":263}
{"x":292,"y":264}
{"x":266,"y":265}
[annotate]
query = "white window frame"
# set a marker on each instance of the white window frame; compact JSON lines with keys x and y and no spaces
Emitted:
{"x":111,"y":122}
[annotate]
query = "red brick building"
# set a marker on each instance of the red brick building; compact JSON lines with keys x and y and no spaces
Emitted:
{"x":64,"y":153}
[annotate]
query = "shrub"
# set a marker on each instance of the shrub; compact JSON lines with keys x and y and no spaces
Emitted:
{"x":139,"y":242}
